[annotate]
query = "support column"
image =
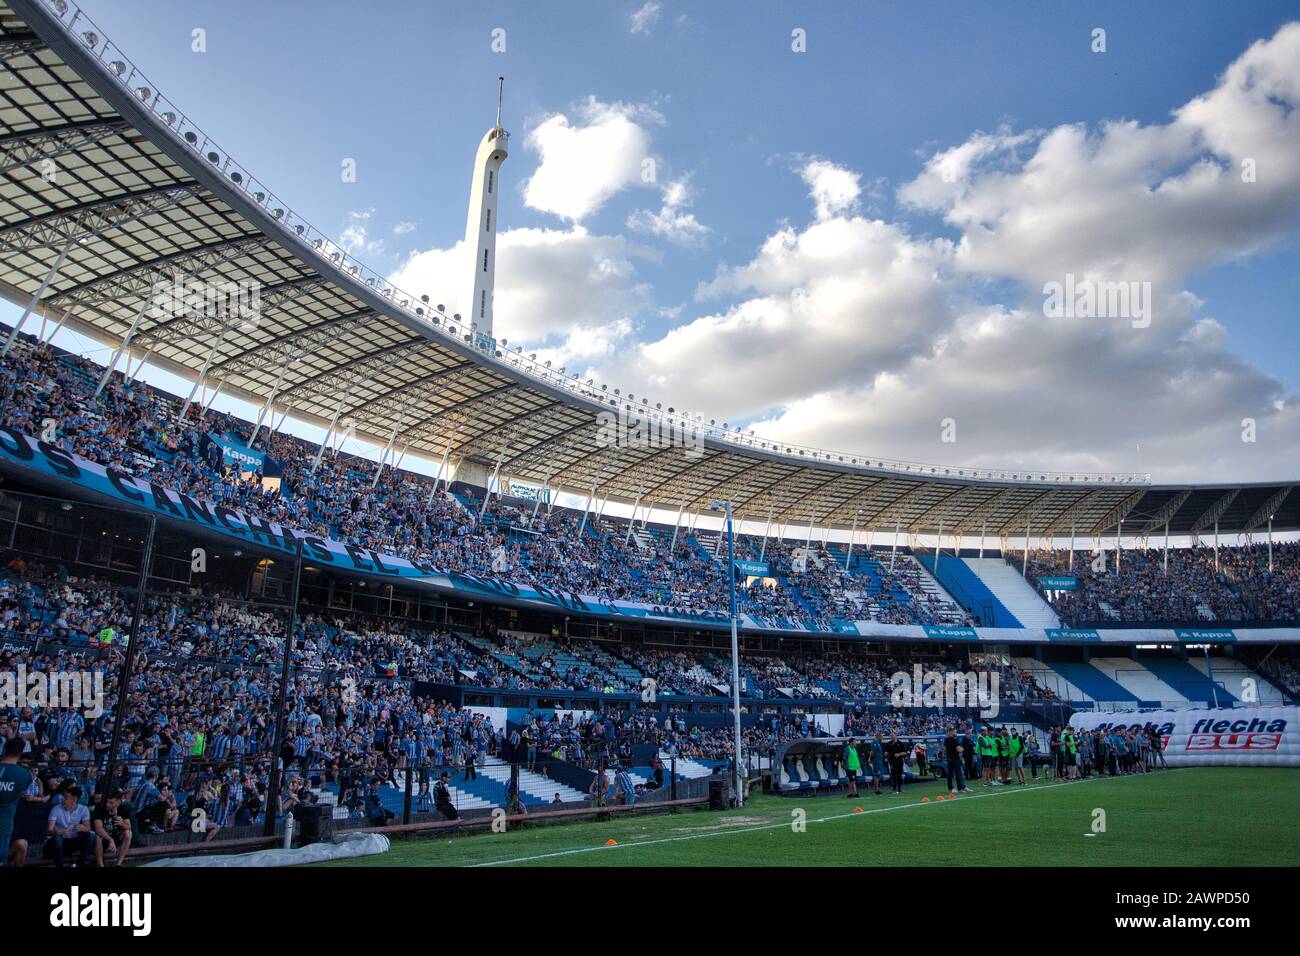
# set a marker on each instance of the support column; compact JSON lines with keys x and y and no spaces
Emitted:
{"x":852,"y":532}
{"x":128,"y":659}
{"x":329,"y":432}
{"x":677,"y":524}
{"x":546,"y":486}
{"x":762,"y":552}
{"x":204,"y":373}
{"x":632,"y":521}
{"x":281,"y":696}
{"x":36,"y":296}
{"x":487,"y":492}
{"x":585,"y":509}
{"x":270,"y":400}
{"x":1270,"y":544}
{"x":392,"y":439}
{"x":62,"y":319}
{"x":1024,"y":569}
{"x":122,"y":346}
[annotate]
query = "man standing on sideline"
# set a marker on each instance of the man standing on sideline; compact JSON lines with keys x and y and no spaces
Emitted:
{"x":852,"y":765}
{"x":988,"y":757}
{"x":953,"y":753}
{"x":1032,"y":752}
{"x":1017,"y":744}
{"x":877,"y":762}
{"x":896,"y":750}
{"x":1157,"y":749}
{"x":968,"y":750}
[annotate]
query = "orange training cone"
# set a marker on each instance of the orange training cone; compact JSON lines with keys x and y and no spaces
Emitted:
{"x":611,"y":843}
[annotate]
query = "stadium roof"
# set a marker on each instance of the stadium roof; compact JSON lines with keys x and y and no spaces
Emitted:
{"x":118,"y":186}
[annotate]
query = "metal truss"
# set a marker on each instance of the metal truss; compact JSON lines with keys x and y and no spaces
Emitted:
{"x":26,"y":149}
{"x":140,"y":280}
{"x":1164,"y":515}
{"x":1215,"y":511}
{"x":1269,"y":508}
{"x":91,"y":220}
{"x":298,"y":344}
{"x":15,"y":45}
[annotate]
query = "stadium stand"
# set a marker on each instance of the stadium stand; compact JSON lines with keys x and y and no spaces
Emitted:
{"x":240,"y":703}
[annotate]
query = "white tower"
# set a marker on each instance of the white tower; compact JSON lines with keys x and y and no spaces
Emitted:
{"x":481,"y":224}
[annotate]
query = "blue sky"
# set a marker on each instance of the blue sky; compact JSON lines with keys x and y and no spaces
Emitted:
{"x":738,"y":121}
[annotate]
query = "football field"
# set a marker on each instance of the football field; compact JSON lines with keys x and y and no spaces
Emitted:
{"x":1223,"y":816}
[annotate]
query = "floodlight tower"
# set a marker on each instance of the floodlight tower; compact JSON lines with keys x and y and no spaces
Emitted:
{"x":481,"y":223}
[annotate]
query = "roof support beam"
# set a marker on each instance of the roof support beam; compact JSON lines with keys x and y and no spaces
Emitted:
{"x":92,"y":219}
{"x":1215,"y":511}
{"x":1162,"y":517}
{"x":1269,"y":508}
{"x":14,"y":45}
{"x":142,"y":279}
{"x":28,"y":148}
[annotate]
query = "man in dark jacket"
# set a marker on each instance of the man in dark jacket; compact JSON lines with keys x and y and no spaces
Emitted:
{"x":375,"y":811}
{"x":442,"y":798}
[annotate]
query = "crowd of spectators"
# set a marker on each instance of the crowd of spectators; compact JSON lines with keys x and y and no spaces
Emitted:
{"x":1180,"y":586}
{"x":141,"y":432}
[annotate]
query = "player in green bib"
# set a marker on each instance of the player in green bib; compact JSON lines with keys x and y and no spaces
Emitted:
{"x":988,"y":749}
{"x":1017,"y":744}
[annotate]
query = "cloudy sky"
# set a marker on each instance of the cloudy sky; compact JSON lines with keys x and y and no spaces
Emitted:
{"x":832,"y":225}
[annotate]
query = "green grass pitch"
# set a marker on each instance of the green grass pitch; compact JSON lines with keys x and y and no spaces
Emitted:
{"x":1223,"y":816}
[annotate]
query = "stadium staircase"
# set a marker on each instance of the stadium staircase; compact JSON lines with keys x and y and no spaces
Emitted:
{"x":940,"y":601}
{"x":961,"y":581}
{"x":1138,"y":680}
{"x":533,"y":787}
{"x":477,"y":794}
{"x":1095,"y":685}
{"x":1190,"y":682}
{"x":1230,"y":673}
{"x":1052,"y":680}
{"x":1023,"y":604}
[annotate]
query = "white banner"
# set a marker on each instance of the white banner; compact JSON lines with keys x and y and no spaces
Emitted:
{"x":1237,"y":737}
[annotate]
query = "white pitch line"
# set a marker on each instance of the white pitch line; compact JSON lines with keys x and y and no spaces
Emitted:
{"x":779,"y":826}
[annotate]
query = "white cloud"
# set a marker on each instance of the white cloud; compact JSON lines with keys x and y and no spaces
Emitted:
{"x":551,"y":283}
{"x":672,"y":222}
{"x":587,"y":160}
{"x":1130,"y":201}
{"x":354,"y":239}
{"x":646,"y":16}
{"x":834,"y":189}
{"x":854,"y":333}
{"x":403,"y":228}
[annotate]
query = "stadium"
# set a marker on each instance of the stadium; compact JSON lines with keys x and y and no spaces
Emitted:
{"x":590,"y":628}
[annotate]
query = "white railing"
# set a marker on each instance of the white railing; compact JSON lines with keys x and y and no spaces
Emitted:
{"x":81,"y":29}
